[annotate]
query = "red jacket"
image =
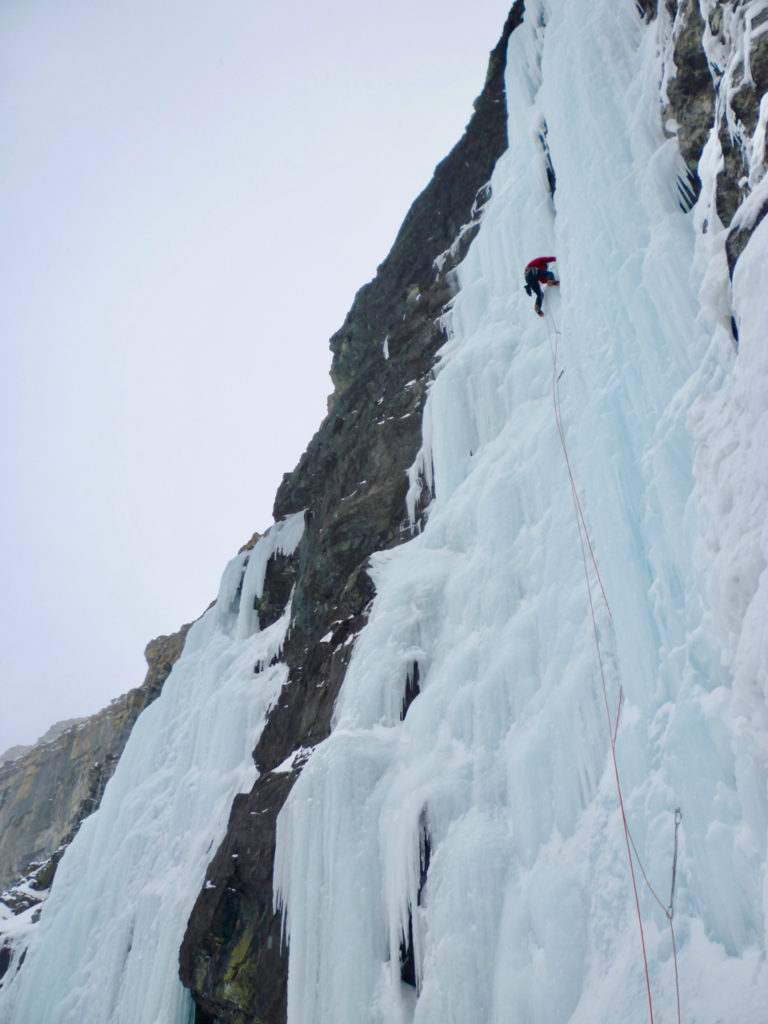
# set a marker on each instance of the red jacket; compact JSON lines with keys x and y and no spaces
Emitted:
{"x":540,"y":262}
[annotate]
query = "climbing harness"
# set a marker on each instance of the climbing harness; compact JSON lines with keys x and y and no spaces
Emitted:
{"x":613,"y":727}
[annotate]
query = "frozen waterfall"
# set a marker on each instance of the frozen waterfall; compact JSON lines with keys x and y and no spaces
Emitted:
{"x":459,"y":856}
{"x":106,"y":950}
{"x":483,"y":831}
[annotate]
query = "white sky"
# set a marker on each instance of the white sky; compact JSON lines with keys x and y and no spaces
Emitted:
{"x":190,"y":196}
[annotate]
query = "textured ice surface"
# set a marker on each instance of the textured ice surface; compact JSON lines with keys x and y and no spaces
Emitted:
{"x":107,"y":946}
{"x":485,"y":826}
{"x":503,"y":759}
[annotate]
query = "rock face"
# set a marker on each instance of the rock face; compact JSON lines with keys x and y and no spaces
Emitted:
{"x":712,"y":90}
{"x":56,"y":730}
{"x":352,"y":482}
{"x":352,"y":479}
{"x":691,"y":91}
{"x":352,"y":485}
{"x":47,"y":791}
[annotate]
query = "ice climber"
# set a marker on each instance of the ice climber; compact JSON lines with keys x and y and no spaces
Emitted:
{"x":537,"y":272}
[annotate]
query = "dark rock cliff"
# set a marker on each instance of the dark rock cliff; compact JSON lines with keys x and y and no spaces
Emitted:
{"x":709,"y":91}
{"x":352,"y":483}
{"x":352,"y":479}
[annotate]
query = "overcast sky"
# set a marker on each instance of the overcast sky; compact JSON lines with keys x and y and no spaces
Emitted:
{"x":191,"y":194}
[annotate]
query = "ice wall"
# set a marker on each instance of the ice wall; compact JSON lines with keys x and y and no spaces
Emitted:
{"x":485,"y":826}
{"x":107,"y":946}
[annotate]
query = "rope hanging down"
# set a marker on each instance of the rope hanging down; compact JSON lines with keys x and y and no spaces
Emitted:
{"x":554,"y":335}
{"x":574,"y":490}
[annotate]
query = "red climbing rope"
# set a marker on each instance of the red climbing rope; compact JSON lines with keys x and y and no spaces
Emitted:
{"x":574,"y":490}
{"x":613,"y":728}
{"x":584,"y":534}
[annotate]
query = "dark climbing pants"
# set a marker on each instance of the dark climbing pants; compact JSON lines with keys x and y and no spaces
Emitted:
{"x":532,"y":279}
